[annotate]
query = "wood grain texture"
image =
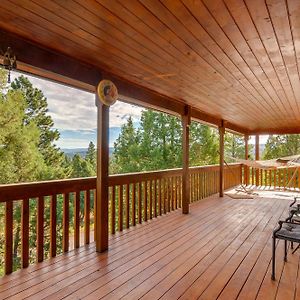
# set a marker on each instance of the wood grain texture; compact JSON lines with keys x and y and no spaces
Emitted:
{"x":175,"y":256}
{"x":233,"y":60}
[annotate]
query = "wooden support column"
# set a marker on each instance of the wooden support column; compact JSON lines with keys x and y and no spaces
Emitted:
{"x":257,"y":158}
{"x":101,"y":205}
{"x":246,"y":168}
{"x":221,"y":177}
{"x":186,"y":121}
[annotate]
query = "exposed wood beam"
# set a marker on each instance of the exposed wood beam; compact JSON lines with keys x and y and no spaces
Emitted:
{"x":294,"y":130}
{"x":35,"y":59}
{"x":132,"y":93}
{"x":55,"y":66}
{"x":186,"y":121}
{"x":102,"y":177}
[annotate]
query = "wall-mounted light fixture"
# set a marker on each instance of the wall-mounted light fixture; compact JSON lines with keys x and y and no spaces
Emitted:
{"x":9,"y":62}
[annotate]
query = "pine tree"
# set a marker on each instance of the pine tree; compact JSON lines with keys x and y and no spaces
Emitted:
{"x":37,"y":111}
{"x":91,"y":156}
{"x":126,"y":150}
{"x":204,"y":145}
{"x":282,"y":145}
{"x":234,"y":147}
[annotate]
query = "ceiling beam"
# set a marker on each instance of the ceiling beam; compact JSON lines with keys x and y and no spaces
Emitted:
{"x":55,"y":66}
{"x":284,"y":130}
{"x":35,"y":59}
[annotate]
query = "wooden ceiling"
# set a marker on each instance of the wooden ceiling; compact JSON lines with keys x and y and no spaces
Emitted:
{"x":237,"y":60}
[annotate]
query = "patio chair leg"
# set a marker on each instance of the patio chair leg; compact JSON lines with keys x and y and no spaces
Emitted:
{"x":292,"y":245}
{"x":296,"y":249}
{"x":285,"y":250}
{"x":273,"y":258}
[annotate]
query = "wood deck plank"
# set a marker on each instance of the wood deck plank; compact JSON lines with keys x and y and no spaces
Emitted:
{"x":173,"y":256}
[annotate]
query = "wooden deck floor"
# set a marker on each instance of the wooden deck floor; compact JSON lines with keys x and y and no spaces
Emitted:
{"x":222,"y":249}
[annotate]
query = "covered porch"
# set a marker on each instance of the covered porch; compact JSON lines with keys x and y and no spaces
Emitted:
{"x":230,"y":64}
{"x":222,"y":249}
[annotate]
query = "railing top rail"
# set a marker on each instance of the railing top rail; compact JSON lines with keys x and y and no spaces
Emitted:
{"x":18,"y":191}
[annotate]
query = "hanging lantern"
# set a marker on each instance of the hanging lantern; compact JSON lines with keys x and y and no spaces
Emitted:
{"x":107,"y":92}
{"x":9,"y":62}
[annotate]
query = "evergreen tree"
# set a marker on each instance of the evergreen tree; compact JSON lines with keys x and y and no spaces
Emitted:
{"x":20,"y":159}
{"x":234,"y":147}
{"x":204,"y":145}
{"x":160,"y":140}
{"x":37,"y":111}
{"x":91,"y":156}
{"x":81,"y":167}
{"x":126,"y":150}
{"x":282,"y":145}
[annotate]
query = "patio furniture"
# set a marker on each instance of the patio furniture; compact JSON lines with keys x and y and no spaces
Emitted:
{"x":287,"y":231}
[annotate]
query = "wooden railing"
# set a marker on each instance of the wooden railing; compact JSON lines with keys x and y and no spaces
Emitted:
{"x":282,"y":178}
{"x":57,"y":216}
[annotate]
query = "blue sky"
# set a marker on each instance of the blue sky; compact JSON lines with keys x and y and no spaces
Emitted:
{"x":75,"y":115}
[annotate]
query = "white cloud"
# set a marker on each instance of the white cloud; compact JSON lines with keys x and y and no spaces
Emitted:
{"x":262,"y":139}
{"x":74,"y":111}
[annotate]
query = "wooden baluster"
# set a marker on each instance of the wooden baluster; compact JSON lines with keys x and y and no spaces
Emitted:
{"x":150,"y":200}
{"x":66,"y":222}
{"x":120,"y":206}
{"x":180,"y":191}
{"x":191,"y":188}
{"x":198,"y":186}
{"x":159,"y":197}
{"x":275,"y":178}
{"x":9,"y":237}
{"x":145,"y":194}
{"x":40,"y":229}
{"x":176,"y":191}
{"x":113,"y":210}
{"x":94,"y":213}
{"x":87,"y":210}
{"x":77,"y":220}
{"x":25,"y":232}
{"x":168,"y":195}
{"x":171,"y":194}
{"x":140,"y":203}
{"x":205,"y":183}
{"x":164,"y":193}
{"x":133,"y":212}
{"x":155,"y":198}
{"x":127,"y":197}
{"x":53,"y":205}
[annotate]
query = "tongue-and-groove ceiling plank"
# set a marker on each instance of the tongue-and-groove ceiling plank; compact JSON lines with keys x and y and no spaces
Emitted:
{"x":235,"y":59}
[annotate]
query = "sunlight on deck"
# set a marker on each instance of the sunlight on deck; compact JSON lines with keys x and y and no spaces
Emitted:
{"x":222,"y":249}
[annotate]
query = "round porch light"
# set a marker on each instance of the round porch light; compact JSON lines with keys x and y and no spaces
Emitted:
{"x":107,"y":92}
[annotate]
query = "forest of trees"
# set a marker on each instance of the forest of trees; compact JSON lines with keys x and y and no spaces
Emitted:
{"x":28,"y":151}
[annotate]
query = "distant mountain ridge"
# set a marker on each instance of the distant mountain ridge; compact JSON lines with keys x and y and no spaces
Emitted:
{"x":81,"y":151}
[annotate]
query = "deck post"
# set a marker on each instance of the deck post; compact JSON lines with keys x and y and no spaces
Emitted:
{"x":186,"y":121}
{"x":101,"y":204}
{"x":246,"y":169}
{"x":221,"y":177}
{"x":257,"y":158}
